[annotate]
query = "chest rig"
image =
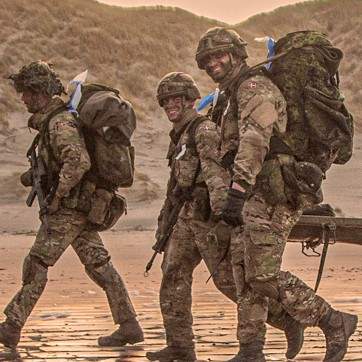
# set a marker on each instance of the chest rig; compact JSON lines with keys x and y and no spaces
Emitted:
{"x":183,"y":157}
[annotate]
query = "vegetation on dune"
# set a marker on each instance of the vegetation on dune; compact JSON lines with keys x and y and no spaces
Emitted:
{"x":132,"y":48}
{"x":126,"y":48}
{"x":340,"y":20}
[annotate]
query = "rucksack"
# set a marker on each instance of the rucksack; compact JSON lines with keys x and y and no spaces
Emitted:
{"x":108,"y":122}
{"x":319,"y":128}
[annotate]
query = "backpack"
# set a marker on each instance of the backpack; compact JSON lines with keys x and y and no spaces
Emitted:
{"x":319,"y":128}
{"x":108,"y":122}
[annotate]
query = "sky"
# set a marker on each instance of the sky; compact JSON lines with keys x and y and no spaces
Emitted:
{"x":229,"y":11}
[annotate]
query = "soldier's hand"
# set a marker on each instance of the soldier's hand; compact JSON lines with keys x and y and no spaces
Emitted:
{"x":54,"y":205}
{"x":231,"y":213}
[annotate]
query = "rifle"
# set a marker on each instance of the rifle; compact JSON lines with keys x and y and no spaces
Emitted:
{"x":39,"y":177}
{"x":161,"y":242}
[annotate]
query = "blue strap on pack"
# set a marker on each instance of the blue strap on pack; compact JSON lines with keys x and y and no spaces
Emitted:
{"x":75,"y":97}
{"x":75,"y":89}
{"x":270,"y":44}
{"x":205,"y":101}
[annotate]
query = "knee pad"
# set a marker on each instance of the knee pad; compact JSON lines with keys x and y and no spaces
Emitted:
{"x":100,"y":272}
{"x":267,"y":288}
{"x":34,"y":270}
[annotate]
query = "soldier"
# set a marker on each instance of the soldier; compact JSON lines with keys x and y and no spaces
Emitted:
{"x":197,"y":177}
{"x":61,"y":148}
{"x":254,"y":111}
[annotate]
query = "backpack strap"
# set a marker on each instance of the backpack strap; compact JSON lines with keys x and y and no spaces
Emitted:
{"x":191,"y":132}
{"x":44,"y":136}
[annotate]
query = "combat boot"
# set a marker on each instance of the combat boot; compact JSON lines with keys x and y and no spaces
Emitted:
{"x":250,"y":352}
{"x":170,"y":354}
{"x":129,"y":333}
{"x":337,"y":328}
{"x":9,"y":334}
{"x":294,"y":333}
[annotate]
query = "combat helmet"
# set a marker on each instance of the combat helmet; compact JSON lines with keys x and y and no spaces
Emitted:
{"x":37,"y":76}
{"x":177,"y":83}
{"x":220,"y":39}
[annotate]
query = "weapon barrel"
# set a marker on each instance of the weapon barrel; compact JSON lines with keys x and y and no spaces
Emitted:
{"x":348,"y":230}
{"x":31,"y":197}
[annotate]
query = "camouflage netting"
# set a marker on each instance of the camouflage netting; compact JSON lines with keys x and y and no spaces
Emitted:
{"x":39,"y":77}
{"x":320,"y":129}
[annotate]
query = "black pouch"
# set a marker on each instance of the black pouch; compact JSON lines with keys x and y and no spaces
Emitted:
{"x":304,"y":180}
{"x":270,"y":182}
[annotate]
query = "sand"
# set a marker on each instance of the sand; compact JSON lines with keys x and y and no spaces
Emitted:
{"x":73,"y":311}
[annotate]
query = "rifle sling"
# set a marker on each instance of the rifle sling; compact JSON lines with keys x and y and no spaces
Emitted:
{"x":326,"y":240}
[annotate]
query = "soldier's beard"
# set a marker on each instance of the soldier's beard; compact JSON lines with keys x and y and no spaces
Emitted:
{"x":220,"y":74}
{"x":36,"y":102}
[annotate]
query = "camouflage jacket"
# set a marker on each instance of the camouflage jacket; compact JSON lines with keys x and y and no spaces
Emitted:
{"x":61,"y":147}
{"x":255,"y":110}
{"x":198,"y":167}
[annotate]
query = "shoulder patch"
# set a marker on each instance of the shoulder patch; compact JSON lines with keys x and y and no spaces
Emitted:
{"x":252,"y":84}
{"x":61,"y":121}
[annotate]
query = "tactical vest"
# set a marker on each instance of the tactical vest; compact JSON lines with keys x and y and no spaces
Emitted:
{"x":185,"y":159}
{"x":45,"y":150}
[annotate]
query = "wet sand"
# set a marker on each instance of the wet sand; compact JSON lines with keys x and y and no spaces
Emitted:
{"x":73,"y":311}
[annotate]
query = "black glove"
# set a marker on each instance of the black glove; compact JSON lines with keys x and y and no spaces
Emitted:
{"x":232,"y":210}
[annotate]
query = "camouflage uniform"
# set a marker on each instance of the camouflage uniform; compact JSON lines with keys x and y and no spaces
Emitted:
{"x":255,"y":111}
{"x":67,"y":226}
{"x":257,"y":250}
{"x":193,"y":238}
{"x":61,"y":147}
{"x":190,"y":242}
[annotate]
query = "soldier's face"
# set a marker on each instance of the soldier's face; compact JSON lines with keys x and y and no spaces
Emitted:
{"x":34,"y":101}
{"x":174,"y":108}
{"x":217,"y":65}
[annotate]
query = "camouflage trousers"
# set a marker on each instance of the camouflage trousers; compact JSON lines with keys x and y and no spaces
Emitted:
{"x":191,"y":242}
{"x":68,"y":227}
{"x":257,"y":252}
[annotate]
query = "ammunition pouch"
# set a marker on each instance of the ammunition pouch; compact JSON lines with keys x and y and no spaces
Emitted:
{"x":304,"y":177}
{"x":102,"y":207}
{"x":100,"y":203}
{"x":201,"y":210}
{"x":106,"y":210}
{"x":284,"y":180}
{"x":187,"y":170}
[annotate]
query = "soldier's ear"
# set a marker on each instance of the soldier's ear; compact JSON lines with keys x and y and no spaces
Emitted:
{"x":188,"y":103}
